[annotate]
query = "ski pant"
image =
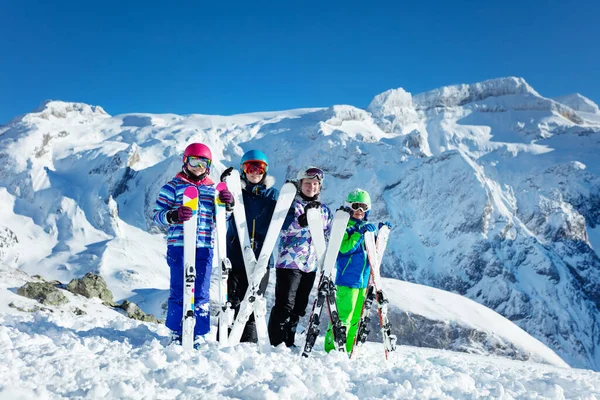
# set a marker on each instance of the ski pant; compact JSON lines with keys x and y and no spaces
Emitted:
{"x":349,"y":302}
{"x":292,"y":289}
{"x":237,"y":284}
{"x":201,"y":289}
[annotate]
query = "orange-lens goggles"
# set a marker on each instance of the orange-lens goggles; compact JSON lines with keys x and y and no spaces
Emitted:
{"x":255,"y":167}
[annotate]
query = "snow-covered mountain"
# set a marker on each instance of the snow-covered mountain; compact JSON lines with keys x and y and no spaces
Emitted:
{"x":493,"y":189}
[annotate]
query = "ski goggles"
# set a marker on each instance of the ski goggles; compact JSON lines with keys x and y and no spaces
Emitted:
{"x":196,"y":162}
{"x":255,"y":167}
{"x":364,"y":207}
{"x":314,"y":173}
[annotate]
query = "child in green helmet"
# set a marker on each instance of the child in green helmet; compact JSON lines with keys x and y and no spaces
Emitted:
{"x":353,"y":269}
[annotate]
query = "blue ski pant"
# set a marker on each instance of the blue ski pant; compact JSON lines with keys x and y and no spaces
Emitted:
{"x":201,"y":289}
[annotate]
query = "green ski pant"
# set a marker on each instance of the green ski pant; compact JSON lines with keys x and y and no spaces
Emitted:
{"x":349,"y":302}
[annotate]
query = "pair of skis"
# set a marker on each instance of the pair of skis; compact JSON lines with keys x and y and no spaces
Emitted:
{"x":326,"y":289}
{"x":190,"y":199}
{"x":254,"y":301}
{"x":375,"y":294}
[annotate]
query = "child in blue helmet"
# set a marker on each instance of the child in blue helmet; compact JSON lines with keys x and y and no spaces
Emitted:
{"x":169,"y":211}
{"x":260,"y":198}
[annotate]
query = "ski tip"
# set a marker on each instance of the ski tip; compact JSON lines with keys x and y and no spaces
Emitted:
{"x":191,"y":192}
{"x":288,"y":187}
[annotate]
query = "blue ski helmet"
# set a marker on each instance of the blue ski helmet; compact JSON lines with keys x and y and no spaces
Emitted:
{"x":254,"y":155}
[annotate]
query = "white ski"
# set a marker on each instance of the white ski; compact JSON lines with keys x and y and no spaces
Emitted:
{"x":375,"y":255}
{"x":224,"y":267}
{"x":326,"y":289}
{"x":254,"y":301}
{"x":190,"y":199}
{"x":314,"y":218}
{"x":239,"y":214}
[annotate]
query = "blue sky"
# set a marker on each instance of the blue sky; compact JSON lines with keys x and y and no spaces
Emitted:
{"x":226,"y":57}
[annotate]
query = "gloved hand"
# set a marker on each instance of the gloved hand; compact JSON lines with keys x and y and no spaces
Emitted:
{"x":381,"y":224}
{"x":226,"y":197}
{"x":226,"y":173}
{"x":367,"y":228}
{"x":302,"y":221}
{"x":180,"y":214}
{"x":346,"y":209}
{"x":312,"y":204}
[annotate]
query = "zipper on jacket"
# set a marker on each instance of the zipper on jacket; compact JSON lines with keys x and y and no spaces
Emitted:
{"x":348,"y":263}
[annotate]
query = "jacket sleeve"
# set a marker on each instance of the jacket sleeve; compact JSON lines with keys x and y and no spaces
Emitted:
{"x":290,"y":217}
{"x":352,"y":240}
{"x":165,"y":202}
{"x":328,"y":221}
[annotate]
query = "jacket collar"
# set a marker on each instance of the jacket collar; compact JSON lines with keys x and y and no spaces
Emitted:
{"x":205,"y":181}
{"x":269,"y":181}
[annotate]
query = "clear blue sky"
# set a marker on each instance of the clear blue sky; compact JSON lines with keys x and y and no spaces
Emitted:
{"x":226,"y":57}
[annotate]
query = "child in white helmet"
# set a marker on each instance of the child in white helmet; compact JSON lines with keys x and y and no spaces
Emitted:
{"x":297,"y":263}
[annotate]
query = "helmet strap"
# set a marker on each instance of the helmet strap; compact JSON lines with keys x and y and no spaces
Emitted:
{"x":192,"y":176}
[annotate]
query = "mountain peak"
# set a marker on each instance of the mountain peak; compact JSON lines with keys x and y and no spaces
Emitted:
{"x":457,"y":95}
{"x":578,"y":102}
{"x":60,"y":109}
{"x":63,"y":110}
{"x":390,"y":100}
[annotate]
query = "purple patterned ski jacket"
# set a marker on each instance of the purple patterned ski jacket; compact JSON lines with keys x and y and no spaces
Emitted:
{"x":295,"y":245}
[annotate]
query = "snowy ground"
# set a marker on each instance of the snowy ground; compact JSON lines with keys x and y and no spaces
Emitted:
{"x":54,"y":354}
{"x":42,"y":358}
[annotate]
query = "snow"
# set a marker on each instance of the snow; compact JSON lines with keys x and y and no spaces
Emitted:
{"x":102,"y":354}
{"x":594,"y":238}
{"x":440,"y":305}
{"x":578,"y":102}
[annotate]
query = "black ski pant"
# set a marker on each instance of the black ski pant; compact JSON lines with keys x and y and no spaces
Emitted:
{"x":237,"y":284}
{"x":292,"y":289}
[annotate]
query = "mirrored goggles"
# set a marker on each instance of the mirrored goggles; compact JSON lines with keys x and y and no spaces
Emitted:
{"x":255,"y":167}
{"x":313,"y":173}
{"x":196,"y":162}
{"x":364,"y":207}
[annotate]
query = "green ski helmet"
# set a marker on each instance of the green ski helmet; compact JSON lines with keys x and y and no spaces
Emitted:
{"x":359,"y":199}
{"x":359,"y":196}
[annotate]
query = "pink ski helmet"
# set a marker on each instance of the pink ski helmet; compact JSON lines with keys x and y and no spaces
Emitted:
{"x":197,"y":150}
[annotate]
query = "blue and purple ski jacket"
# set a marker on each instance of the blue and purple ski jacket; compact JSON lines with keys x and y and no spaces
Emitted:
{"x":295,"y":244}
{"x":171,"y":197}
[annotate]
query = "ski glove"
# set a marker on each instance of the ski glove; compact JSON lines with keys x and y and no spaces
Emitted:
{"x":226,"y":197}
{"x":367,"y":228}
{"x":382,"y":224}
{"x":180,"y":214}
{"x":226,"y":173}
{"x":302,"y":221}
{"x":346,"y":209}
{"x":312,"y":204}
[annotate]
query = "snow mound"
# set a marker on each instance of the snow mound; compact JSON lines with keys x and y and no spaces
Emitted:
{"x":578,"y":103}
